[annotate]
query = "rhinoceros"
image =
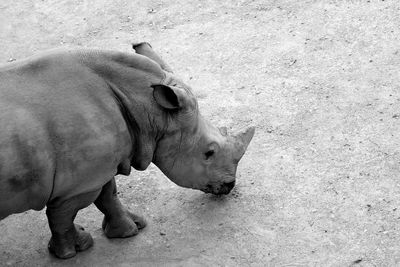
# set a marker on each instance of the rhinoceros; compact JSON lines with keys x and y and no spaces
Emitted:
{"x":72,"y":119}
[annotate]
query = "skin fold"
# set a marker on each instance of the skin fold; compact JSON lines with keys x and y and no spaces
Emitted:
{"x":73,"y":119}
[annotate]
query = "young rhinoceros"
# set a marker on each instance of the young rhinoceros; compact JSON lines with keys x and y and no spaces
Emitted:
{"x":73,"y":119}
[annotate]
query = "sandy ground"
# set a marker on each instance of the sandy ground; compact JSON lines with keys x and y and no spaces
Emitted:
{"x":320,"y":80}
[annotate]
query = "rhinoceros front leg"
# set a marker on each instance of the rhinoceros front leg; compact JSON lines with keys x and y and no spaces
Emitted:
{"x":118,"y":221}
{"x":67,"y":238}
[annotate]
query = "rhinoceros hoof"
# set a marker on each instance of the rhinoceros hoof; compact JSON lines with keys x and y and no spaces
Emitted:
{"x":126,"y":225}
{"x":66,"y":246}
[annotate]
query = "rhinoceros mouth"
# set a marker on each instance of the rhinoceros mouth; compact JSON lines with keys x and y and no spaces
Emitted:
{"x":207,"y":189}
{"x":222,"y":189}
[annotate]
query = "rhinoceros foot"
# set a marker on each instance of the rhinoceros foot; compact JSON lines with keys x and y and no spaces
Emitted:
{"x":118,"y":221}
{"x":76,"y":239}
{"x":128,"y":224}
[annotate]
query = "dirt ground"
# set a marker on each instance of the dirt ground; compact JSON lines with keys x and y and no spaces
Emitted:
{"x":320,"y":80}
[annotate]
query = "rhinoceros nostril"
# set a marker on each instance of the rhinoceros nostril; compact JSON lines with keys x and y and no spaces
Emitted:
{"x":226,"y":188}
{"x":229,"y":185}
{"x":222,"y":189}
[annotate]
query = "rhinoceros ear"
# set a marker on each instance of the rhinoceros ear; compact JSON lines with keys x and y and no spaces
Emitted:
{"x":168,"y":97}
{"x":145,"y":49}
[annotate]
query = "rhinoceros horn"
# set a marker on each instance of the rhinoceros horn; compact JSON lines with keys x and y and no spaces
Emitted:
{"x":241,"y":141}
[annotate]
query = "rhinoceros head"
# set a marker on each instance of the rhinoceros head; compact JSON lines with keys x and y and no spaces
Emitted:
{"x":191,"y":151}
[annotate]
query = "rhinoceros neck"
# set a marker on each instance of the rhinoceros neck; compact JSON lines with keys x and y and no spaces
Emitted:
{"x":130,"y":77}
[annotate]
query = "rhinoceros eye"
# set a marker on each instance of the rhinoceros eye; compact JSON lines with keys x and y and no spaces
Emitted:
{"x":209,"y":154}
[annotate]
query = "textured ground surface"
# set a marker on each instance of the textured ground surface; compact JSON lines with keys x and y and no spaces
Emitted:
{"x":319,"y":185}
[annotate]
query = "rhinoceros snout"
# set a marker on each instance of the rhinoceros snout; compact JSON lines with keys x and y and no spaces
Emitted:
{"x":222,"y":189}
{"x":226,"y":188}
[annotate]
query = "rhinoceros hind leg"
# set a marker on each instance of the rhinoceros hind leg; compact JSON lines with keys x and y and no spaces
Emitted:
{"x":68,"y":238}
{"x":118,"y":221}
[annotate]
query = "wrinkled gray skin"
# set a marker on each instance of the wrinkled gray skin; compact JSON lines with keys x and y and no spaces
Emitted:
{"x":73,"y":119}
